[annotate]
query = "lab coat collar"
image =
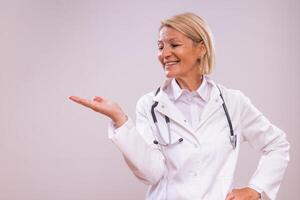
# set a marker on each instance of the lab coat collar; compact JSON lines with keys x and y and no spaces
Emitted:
{"x":215,"y":94}
{"x":202,"y":90}
{"x":166,"y":107}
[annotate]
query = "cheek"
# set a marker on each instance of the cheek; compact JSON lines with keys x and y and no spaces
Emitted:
{"x":188,"y":59}
{"x":159,"y":57}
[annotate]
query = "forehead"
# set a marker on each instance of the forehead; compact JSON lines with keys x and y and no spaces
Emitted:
{"x":167,"y":34}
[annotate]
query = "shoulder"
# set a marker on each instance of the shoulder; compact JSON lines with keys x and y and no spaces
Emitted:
{"x":145,"y":100}
{"x":234,"y":98}
{"x":230,"y":93}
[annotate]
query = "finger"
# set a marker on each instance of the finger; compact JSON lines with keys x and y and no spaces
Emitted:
{"x":74,"y":98}
{"x":230,"y":196}
{"x":83,"y":102}
{"x":98,"y":99}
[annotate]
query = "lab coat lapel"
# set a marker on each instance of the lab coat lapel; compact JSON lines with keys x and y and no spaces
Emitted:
{"x":166,"y":107}
{"x":213,"y":105}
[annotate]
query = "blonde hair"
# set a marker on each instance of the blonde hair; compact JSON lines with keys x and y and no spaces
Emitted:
{"x":197,"y":30}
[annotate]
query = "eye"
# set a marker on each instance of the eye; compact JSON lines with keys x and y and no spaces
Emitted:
{"x":174,"y":45}
{"x":160,"y":47}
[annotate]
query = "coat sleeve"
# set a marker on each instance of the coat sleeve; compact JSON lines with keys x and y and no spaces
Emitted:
{"x":271,"y":142}
{"x":135,"y":142}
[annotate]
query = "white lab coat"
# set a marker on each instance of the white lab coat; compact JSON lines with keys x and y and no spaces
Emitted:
{"x":202,"y":166}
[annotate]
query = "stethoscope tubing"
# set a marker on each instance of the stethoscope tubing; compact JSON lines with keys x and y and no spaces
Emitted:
{"x":162,"y":142}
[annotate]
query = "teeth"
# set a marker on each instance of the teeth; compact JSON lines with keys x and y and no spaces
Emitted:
{"x":170,"y":63}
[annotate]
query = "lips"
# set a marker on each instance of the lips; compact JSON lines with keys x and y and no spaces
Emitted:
{"x":170,"y":63}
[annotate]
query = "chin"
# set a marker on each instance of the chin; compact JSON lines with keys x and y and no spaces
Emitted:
{"x":169,"y":74}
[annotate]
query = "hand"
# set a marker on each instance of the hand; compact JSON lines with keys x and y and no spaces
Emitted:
{"x":243,"y":194}
{"x":105,"y":107}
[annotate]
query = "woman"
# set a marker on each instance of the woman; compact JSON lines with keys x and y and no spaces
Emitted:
{"x":188,"y":133}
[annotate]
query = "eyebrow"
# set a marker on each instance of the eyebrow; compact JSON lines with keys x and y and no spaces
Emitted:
{"x":170,"y":40}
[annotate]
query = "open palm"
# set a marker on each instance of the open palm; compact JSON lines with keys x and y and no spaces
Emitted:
{"x":103,"y":106}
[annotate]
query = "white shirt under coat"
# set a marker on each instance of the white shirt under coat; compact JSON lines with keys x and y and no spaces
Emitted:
{"x":203,"y":165}
{"x":191,"y":104}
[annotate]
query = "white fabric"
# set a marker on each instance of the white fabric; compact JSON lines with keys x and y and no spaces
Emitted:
{"x":191,"y":104}
{"x":203,"y":165}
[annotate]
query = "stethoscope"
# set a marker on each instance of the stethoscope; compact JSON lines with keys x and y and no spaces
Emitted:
{"x":162,"y":142}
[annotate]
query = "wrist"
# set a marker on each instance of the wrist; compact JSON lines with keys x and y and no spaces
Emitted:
{"x":255,"y":192}
{"x":120,"y":120}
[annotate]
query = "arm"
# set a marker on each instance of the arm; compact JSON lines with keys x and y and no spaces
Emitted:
{"x":145,"y":161}
{"x":271,"y":142}
{"x":136,"y":144}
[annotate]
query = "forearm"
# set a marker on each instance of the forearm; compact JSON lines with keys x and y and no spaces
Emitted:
{"x":144,"y":161}
{"x":271,"y":142}
{"x":272,"y":165}
{"x":119,"y":119}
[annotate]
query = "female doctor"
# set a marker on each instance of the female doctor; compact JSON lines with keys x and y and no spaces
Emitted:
{"x":187,"y":136}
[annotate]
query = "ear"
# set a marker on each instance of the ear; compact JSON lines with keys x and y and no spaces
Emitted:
{"x":202,"y":49}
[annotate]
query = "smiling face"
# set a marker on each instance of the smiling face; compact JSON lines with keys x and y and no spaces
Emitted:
{"x":178,"y":54}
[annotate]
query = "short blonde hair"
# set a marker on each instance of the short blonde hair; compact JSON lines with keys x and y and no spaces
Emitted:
{"x":196,"y":29}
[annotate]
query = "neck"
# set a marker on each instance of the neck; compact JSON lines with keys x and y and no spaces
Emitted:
{"x":190,"y":83}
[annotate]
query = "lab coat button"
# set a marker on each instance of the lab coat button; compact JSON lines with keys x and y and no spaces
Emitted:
{"x":185,"y":121}
{"x":196,"y":145}
{"x":162,"y":106}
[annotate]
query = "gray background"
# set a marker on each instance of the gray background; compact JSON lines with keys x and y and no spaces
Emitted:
{"x":51,"y":148}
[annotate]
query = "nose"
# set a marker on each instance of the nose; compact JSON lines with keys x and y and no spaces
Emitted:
{"x":165,"y":52}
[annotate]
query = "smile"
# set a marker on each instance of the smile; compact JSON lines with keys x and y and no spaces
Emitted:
{"x":170,"y":63}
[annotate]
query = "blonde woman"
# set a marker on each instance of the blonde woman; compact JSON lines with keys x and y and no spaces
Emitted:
{"x":186,"y":139}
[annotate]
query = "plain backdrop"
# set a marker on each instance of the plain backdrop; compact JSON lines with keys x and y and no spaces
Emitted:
{"x":53,"y":149}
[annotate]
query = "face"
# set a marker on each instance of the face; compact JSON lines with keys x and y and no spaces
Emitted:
{"x":178,"y":54}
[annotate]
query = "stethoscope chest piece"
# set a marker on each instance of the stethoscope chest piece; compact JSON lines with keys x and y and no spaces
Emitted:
{"x":233,"y":140}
